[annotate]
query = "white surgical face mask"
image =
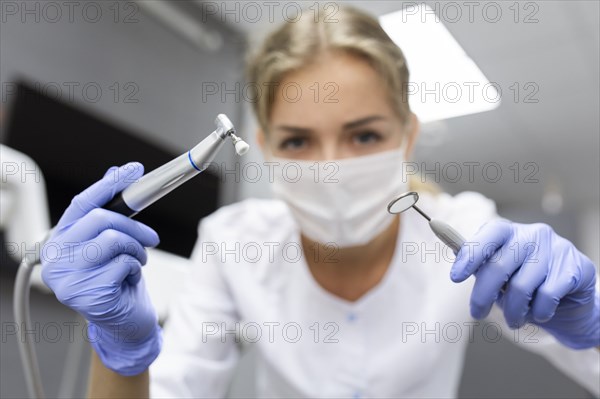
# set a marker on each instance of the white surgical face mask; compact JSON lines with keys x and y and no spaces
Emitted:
{"x":344,"y":201}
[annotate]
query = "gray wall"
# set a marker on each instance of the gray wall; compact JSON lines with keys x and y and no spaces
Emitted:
{"x":151,"y":65}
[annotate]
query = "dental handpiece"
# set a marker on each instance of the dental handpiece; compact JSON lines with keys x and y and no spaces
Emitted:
{"x":161,"y":181}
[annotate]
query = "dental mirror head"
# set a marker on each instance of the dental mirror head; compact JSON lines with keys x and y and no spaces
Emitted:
{"x":403,"y":202}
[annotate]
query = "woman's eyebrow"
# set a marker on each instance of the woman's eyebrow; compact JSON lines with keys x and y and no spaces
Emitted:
{"x":346,"y":126}
{"x":294,"y":129}
{"x":363,"y":121}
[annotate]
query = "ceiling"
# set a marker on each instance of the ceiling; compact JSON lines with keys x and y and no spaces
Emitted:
{"x":554,"y":141}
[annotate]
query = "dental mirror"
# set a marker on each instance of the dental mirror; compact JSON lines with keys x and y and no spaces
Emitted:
{"x":443,"y":231}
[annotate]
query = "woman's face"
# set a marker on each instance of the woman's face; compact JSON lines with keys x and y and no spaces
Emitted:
{"x":335,"y":108}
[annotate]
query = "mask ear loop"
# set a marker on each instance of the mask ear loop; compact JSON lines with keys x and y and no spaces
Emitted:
{"x":408,"y":126}
{"x":402,"y":150}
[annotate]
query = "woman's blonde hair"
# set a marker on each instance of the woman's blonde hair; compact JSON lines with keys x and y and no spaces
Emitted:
{"x":298,"y":43}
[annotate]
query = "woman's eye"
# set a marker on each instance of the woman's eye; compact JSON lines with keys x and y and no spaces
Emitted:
{"x":293,"y":143}
{"x":366,"y":137}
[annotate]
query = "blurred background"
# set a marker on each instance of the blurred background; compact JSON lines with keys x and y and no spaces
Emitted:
{"x":91,"y":84}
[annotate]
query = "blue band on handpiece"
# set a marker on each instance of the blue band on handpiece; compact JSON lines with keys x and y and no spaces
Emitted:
{"x":192,"y":162}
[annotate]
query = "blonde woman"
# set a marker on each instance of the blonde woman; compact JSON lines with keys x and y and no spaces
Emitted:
{"x":339,"y":298}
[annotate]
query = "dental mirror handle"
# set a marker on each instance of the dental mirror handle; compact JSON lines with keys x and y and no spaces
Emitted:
{"x":447,"y":234}
{"x":451,"y":238}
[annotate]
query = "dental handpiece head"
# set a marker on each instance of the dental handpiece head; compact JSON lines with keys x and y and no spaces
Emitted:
{"x":161,"y":181}
{"x":225,"y":128}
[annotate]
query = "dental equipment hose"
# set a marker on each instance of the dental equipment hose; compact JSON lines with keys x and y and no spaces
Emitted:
{"x":31,"y":368}
{"x":136,"y":197}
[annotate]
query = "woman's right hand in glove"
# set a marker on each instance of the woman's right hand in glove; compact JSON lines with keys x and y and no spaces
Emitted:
{"x":92,"y":261}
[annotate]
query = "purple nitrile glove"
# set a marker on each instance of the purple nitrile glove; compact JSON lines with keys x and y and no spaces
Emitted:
{"x":535,"y":276}
{"x":92,"y":262}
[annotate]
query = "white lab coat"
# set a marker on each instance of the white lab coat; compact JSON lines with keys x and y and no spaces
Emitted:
{"x":405,"y":338}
